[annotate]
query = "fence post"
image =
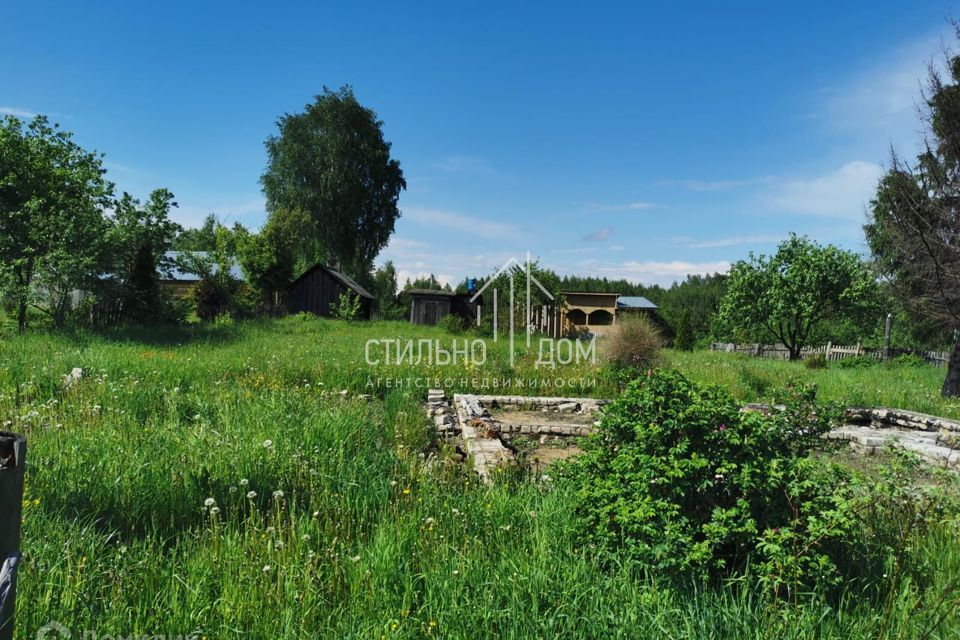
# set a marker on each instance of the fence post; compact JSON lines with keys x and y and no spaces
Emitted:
{"x":13,"y":458}
{"x":886,"y":337}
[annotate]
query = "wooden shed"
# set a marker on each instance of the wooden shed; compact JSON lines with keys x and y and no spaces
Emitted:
{"x":319,"y":289}
{"x":430,"y":307}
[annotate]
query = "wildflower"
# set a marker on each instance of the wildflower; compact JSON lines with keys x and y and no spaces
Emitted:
{"x":305,"y":537}
{"x":271,"y":530}
{"x":406,"y":491}
{"x":456,"y":572}
{"x":355,"y":559}
{"x":723,"y":427}
{"x":393,"y":483}
{"x":278,"y":544}
{"x":429,"y":521}
{"x":244,"y":482}
{"x":267,"y":444}
{"x":267,"y":568}
{"x":214,"y":510}
{"x":251,"y":495}
{"x":278,"y":495}
{"x":316,"y":514}
{"x":209,"y":502}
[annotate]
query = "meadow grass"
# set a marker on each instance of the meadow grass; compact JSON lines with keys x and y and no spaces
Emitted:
{"x":916,"y":388}
{"x":215,"y":481}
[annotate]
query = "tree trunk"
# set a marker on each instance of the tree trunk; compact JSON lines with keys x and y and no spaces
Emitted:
{"x":951,"y":386}
{"x":794,"y":352}
{"x":22,"y":316}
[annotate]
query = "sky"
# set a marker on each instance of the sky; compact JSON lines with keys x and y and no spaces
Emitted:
{"x":640,"y":140}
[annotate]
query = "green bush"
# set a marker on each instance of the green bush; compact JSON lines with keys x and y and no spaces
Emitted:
{"x":347,"y":307}
{"x":857,"y":362}
{"x":452,"y":323}
{"x":818,"y":361}
{"x":906,"y":360}
{"x":680,"y":479}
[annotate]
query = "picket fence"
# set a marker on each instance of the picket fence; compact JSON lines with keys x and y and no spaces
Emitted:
{"x":830,"y":351}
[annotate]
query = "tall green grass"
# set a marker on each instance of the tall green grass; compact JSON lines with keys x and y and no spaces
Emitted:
{"x":138,"y":519}
{"x":916,"y":388}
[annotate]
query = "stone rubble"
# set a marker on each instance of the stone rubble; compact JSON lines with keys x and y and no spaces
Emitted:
{"x":935,"y":440}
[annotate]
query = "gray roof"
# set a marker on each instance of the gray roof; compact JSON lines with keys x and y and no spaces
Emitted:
{"x":174,"y":272}
{"x":432,"y":292}
{"x":342,"y":278}
{"x":634,"y":302}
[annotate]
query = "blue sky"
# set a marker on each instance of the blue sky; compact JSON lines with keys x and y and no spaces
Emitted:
{"x":633,"y":140}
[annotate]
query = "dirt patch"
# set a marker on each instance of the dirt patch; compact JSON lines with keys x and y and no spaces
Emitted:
{"x":543,"y":456}
{"x":518,"y":416}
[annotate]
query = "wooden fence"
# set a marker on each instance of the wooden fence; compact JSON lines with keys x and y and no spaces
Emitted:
{"x":829,"y":351}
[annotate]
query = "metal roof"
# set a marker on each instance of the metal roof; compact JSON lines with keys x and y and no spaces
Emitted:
{"x":634,"y":302}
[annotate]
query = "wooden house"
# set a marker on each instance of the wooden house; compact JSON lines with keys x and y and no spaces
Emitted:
{"x":319,"y":289}
{"x":430,"y":307}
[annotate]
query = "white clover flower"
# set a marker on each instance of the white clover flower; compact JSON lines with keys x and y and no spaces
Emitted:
{"x":429,"y":521}
{"x":355,"y":559}
{"x":244,"y":482}
{"x":214,"y":510}
{"x":267,"y":444}
{"x":305,"y":537}
{"x":278,"y":495}
{"x":278,"y":544}
{"x":267,"y":568}
{"x":251,"y":495}
{"x":209,"y":502}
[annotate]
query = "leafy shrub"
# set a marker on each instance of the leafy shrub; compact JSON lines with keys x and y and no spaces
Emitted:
{"x":634,"y":343}
{"x":211,"y":298}
{"x":680,"y":479}
{"x":817,"y":361}
{"x":347,"y":306}
{"x":856,"y":362}
{"x":906,"y":360}
{"x":452,"y":323}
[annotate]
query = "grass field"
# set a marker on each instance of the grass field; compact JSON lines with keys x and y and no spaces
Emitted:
{"x":216,"y":482}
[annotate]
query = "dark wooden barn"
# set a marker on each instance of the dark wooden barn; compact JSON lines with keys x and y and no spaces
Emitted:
{"x":319,"y":289}
{"x":429,"y":307}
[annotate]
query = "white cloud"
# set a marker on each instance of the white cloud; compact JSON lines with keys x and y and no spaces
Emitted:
{"x":843,"y":193}
{"x":478,"y":227}
{"x":630,"y":206}
{"x":880,"y":101}
{"x":734,"y":241}
{"x":17,"y":112}
{"x":650,"y":272}
{"x":576,"y":250}
{"x":715,"y":185}
{"x":599,"y":235}
{"x":464,"y":164}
